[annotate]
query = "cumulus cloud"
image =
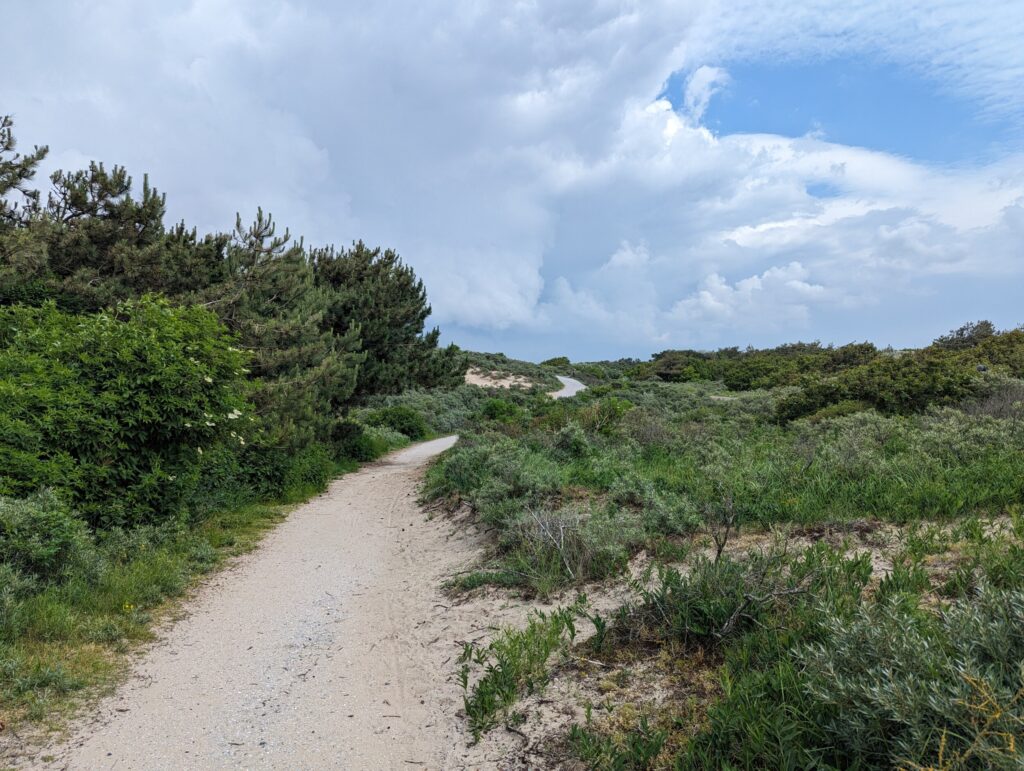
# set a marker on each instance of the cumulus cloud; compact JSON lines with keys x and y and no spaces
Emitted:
{"x":520,"y":158}
{"x":781,"y":294}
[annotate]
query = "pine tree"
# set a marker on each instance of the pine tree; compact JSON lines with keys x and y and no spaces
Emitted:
{"x":23,"y":255}
{"x":374,"y":290}
{"x":305,"y":372}
{"x":16,"y":174}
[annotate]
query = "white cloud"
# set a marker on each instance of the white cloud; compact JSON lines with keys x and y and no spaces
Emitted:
{"x":519,"y":157}
{"x":780,"y":295}
{"x":703,"y":84}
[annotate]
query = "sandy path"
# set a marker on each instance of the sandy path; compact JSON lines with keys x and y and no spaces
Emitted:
{"x":570,"y":387}
{"x":328,"y":647}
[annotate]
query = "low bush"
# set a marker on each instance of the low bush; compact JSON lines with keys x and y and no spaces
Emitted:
{"x":405,"y":420}
{"x":893,"y":686}
{"x":548,"y":549}
{"x":501,"y":410}
{"x":365,"y":443}
{"x":40,"y":536}
{"x":1001,"y":398}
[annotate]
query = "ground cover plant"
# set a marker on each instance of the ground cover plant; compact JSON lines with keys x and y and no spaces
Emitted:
{"x":514,"y":663}
{"x":838,"y":588}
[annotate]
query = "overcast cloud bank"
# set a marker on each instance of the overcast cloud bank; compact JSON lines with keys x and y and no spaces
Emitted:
{"x":526,"y":160}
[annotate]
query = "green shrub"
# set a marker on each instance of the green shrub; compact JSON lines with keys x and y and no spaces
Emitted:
{"x":713,"y":601}
{"x":446,"y":411}
{"x":352,"y":440}
{"x":40,"y":536}
{"x":895,"y":686}
{"x":501,"y":410}
{"x":402,"y":419}
{"x":548,"y":549}
{"x":571,"y":441}
{"x":604,"y":415}
{"x":307,"y":472}
{"x":906,"y":383}
{"x":838,"y":410}
{"x":118,"y":407}
{"x":499,"y":477}
{"x":557,"y":362}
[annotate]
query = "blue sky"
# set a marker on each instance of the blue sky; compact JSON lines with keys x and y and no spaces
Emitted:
{"x":858,"y":101}
{"x":599,"y":179}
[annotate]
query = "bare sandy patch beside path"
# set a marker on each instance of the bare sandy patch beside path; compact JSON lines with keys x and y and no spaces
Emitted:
{"x":484,"y":379}
{"x":331,"y":646}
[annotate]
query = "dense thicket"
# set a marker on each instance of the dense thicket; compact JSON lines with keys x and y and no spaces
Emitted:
{"x":319,"y":330}
{"x":116,"y":407}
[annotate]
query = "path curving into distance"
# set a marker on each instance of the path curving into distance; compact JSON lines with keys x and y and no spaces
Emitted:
{"x":330,"y":646}
{"x":570,"y":387}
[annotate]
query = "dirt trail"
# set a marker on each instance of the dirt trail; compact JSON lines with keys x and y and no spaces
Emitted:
{"x":570,"y":387}
{"x":331,"y":646}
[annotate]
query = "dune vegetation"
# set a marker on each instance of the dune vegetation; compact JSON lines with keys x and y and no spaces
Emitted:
{"x":825,"y":548}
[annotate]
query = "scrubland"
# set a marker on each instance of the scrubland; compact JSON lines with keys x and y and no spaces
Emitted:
{"x":836,"y":587}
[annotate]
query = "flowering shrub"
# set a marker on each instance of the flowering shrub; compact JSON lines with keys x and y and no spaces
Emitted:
{"x":117,"y":407}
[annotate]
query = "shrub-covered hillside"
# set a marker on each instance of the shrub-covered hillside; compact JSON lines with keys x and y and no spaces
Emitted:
{"x":855,"y":376}
{"x":826,"y":571}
